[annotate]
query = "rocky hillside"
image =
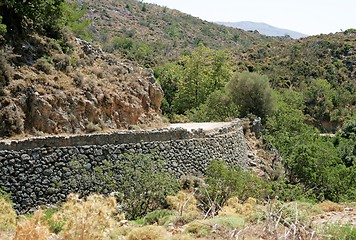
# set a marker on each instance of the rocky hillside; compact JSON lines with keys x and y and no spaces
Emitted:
{"x":157,"y":33}
{"x":54,"y":87}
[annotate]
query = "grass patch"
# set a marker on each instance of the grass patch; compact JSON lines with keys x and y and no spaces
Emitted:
{"x":51,"y":217}
{"x":198,"y":229}
{"x":148,"y":233}
{"x":32,"y":228}
{"x":329,"y":206}
{"x":156,"y":217}
{"x":336,"y":232}
{"x":87,"y":219}
{"x":8,"y":215}
{"x":229,"y":222}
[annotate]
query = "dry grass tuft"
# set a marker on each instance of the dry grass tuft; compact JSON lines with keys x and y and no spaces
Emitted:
{"x":329,"y":206}
{"x":120,"y":232}
{"x":182,"y":202}
{"x":8,"y":216}
{"x":233,"y":206}
{"x":251,"y":201}
{"x":182,"y":237}
{"x":90,"y":219}
{"x":149,"y":233}
{"x":33,"y":228}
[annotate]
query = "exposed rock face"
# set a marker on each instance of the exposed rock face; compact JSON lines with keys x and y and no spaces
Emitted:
{"x":84,"y":92}
{"x":263,"y":160}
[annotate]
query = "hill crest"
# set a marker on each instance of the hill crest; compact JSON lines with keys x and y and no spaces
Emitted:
{"x":264,"y":29}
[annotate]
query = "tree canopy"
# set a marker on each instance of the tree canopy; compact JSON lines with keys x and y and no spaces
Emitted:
{"x":252,"y":93}
{"x":34,"y":15}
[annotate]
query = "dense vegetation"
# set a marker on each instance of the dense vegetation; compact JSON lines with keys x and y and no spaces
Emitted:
{"x":44,"y":17}
{"x":223,"y":205}
{"x":321,"y":67}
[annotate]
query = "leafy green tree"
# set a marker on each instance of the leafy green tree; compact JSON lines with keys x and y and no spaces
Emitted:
{"x":35,"y":15}
{"x":224,"y":181}
{"x":203,"y":72}
{"x":252,"y":93}
{"x":346,"y":143}
{"x":349,"y":129}
{"x":218,"y":107}
{"x":73,"y":19}
{"x":145,"y":185}
{"x":309,"y":159}
{"x":168,"y":77}
{"x":319,"y":97}
{"x":285,"y":127}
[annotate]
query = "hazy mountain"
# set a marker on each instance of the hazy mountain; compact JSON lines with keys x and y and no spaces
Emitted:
{"x":264,"y":28}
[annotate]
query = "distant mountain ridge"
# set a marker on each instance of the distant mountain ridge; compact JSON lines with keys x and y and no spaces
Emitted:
{"x":264,"y":29}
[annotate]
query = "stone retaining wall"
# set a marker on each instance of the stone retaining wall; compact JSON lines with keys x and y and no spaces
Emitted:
{"x":38,"y":170}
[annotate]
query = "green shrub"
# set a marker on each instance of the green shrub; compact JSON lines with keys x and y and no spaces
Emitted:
{"x":230,"y":222}
{"x":44,"y":64}
{"x":144,"y":184}
{"x":218,"y":107}
{"x":6,"y":71}
{"x":252,"y":93}
{"x":188,"y":217}
{"x":198,"y":229}
{"x":55,"y":225}
{"x":156,"y":216}
{"x":286,"y":192}
{"x":224,"y":181}
{"x":73,"y":18}
{"x":141,"y":182}
{"x":2,"y":28}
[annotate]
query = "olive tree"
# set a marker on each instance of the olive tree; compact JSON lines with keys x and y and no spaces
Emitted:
{"x":252,"y":93}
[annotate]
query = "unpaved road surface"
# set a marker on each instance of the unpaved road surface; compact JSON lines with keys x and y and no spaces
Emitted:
{"x":348,"y":216}
{"x":205,"y":126}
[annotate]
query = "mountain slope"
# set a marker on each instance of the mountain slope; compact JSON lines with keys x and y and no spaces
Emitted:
{"x":264,"y":29}
{"x":322,"y":68}
{"x":159,"y":33}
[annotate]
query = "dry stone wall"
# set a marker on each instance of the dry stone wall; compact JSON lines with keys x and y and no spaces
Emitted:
{"x":39,"y":171}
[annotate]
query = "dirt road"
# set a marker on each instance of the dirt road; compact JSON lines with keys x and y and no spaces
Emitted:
{"x":205,"y":126}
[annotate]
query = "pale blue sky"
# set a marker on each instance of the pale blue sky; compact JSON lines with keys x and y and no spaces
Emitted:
{"x":305,"y":16}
